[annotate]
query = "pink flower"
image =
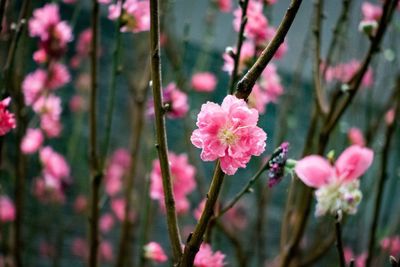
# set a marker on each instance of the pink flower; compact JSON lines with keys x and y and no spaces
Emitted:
{"x":32,"y":141}
{"x":82,"y":47}
{"x":356,"y":136}
{"x":345,"y":71}
{"x":7,"y":209}
{"x":228,"y":132}
{"x":224,"y":5}
{"x":155,"y":252}
{"x":391,"y":245}
{"x":268,"y":89}
{"x":176,"y":99}
{"x":117,"y":167}
{"x":337,"y":185}
{"x":33,"y":85}
{"x":257,"y":23}
{"x":40,"y":56}
{"x":80,"y":248}
{"x":48,"y":190}
{"x":359,"y":260}
{"x":246,"y":57}
{"x":183,"y":182}
{"x":80,"y":204}
{"x":106,"y":251}
{"x":43,"y":20}
{"x":204,"y":82}
{"x":118,"y":207}
{"x":316,"y":171}
{"x":106,"y":223}
{"x":77,"y":103}
{"x":54,"y":164}
{"x":389,"y":116}
{"x":371,"y":12}
{"x":7,"y":119}
{"x":58,"y":76}
{"x":136,"y":15}
{"x":207,"y":258}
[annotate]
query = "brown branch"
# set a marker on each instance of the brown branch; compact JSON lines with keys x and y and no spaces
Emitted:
{"x":382,"y":177}
{"x":243,"y":21}
{"x":95,"y":172}
{"x":137,"y":126}
{"x":319,"y":93}
{"x":195,"y":239}
{"x":339,"y":242}
{"x":245,"y":85}
{"x":161,"y":134}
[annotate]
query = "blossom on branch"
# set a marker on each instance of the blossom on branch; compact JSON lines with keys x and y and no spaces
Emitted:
{"x":338,"y":185}
{"x":7,"y":119}
{"x":229,"y":132}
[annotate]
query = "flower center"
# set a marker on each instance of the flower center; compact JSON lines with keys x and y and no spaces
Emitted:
{"x":227,"y":136}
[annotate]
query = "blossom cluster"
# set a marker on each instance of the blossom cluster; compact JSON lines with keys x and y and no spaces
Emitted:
{"x":343,"y":72}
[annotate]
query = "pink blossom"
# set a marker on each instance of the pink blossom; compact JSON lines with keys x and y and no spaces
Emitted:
{"x":80,"y":248}
{"x":106,"y":223}
{"x":118,"y":207}
{"x":316,"y":171}
{"x":7,"y":209}
{"x":224,"y":5}
{"x":33,"y":85}
{"x":136,"y":15}
{"x":77,"y":103}
{"x":80,"y":204}
{"x":236,"y":218}
{"x":54,"y":164}
{"x":207,"y":258}
{"x":268,"y":89}
{"x":40,"y":56}
{"x":371,"y":12}
{"x":82,"y":47}
{"x":7,"y":119}
{"x":50,"y":110}
{"x":228,"y":132}
{"x":345,"y":71}
{"x":50,"y":125}
{"x":391,"y":245}
{"x":204,"y":82}
{"x":246,"y":57}
{"x":359,"y":261}
{"x":117,"y":167}
{"x":43,"y":20}
{"x":356,"y":136}
{"x":389,"y":116}
{"x":183,"y":182}
{"x":176,"y":99}
{"x":32,"y":141}
{"x":338,"y":185}
{"x":155,"y":252}
{"x":106,"y":251}
{"x":58,"y":76}
{"x":257,"y":23}
{"x":48,"y":190}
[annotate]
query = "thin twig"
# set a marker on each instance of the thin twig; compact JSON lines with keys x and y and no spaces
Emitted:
{"x":138,"y":122}
{"x":2,"y":9}
{"x":245,"y":85}
{"x":319,"y":93}
{"x":162,"y":147}
{"x":113,"y":85}
{"x":382,"y":177}
{"x":339,"y":242}
{"x":95,"y":171}
{"x":243,"y":21}
{"x":195,"y":239}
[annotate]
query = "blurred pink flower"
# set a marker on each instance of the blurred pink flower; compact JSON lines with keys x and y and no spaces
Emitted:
{"x":359,"y":261}
{"x":40,"y":56}
{"x":82,"y":47}
{"x":207,"y":258}
{"x":106,"y":251}
{"x":58,"y":76}
{"x":175,"y":98}
{"x":183,"y":182}
{"x":247,"y":54}
{"x":371,"y":12}
{"x":136,"y":15}
{"x":7,"y":209}
{"x":356,"y":136}
{"x":391,"y":245}
{"x":204,"y":82}
{"x":117,"y":167}
{"x":32,"y":141}
{"x":224,"y":5}
{"x":118,"y":207}
{"x":80,"y":204}
{"x":33,"y":85}
{"x":7,"y":119}
{"x":54,"y":164}
{"x":49,"y":109}
{"x":106,"y":223}
{"x":343,"y":72}
{"x":153,"y":251}
{"x":77,"y":103}
{"x":338,"y":187}
{"x":80,"y":248}
{"x":228,"y":132}
{"x":43,"y":20}
{"x":389,"y":116}
{"x":48,"y":190}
